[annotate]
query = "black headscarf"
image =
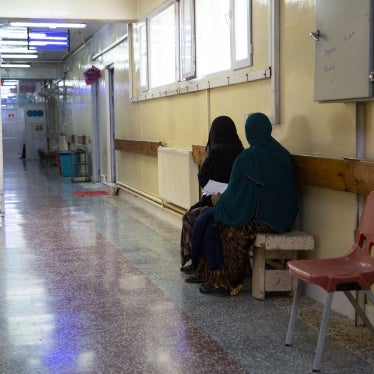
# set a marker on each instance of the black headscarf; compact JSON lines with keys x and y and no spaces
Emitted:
{"x":223,"y":147}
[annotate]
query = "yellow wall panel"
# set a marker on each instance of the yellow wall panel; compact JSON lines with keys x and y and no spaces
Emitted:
{"x":260,"y":32}
{"x":306,"y":127}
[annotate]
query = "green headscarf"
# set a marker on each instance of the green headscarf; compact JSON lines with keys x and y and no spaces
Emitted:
{"x":262,"y":183}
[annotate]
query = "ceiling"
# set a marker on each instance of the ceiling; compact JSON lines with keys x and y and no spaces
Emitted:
{"x":78,"y":37}
{"x":26,"y":82}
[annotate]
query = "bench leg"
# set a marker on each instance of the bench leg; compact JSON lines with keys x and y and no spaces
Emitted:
{"x":258,"y":273}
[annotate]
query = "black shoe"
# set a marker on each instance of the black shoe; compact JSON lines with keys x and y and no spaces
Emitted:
{"x":188,"y":269}
{"x":194,"y":279}
{"x":209,"y":289}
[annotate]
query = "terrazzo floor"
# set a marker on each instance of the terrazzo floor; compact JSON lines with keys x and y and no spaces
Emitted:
{"x":92,"y":285}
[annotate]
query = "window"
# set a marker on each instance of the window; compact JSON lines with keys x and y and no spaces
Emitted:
{"x":162,"y":43}
{"x":188,"y":39}
{"x":212,"y":36}
{"x":141,"y":54}
{"x":241,"y":28}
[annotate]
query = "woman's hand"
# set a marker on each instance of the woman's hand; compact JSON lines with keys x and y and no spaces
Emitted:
{"x":214,"y":198}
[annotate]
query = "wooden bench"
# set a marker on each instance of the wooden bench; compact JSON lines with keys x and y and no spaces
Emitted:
{"x":340,"y":174}
{"x":269,"y":256}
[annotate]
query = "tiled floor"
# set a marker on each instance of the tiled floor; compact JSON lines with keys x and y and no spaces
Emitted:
{"x":92,"y":285}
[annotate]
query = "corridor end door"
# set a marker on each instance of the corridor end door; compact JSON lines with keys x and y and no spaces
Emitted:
{"x":112,"y":127}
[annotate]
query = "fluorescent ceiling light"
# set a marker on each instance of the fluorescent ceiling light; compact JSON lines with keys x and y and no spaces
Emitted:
{"x":14,"y":42}
{"x":48,"y":39}
{"x":6,"y":55}
{"x":16,"y":33}
{"x":50,"y":25}
{"x":43,"y":36}
{"x":14,"y":65}
{"x":15,"y":50}
{"x":45,"y":43}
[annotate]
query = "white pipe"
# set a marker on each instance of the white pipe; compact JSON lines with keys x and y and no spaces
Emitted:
{"x":153,"y":199}
{"x":360,"y":147}
{"x":209,"y":119}
{"x":274,"y":31}
{"x":360,"y":130}
{"x":110,"y":47}
{"x":360,"y":154}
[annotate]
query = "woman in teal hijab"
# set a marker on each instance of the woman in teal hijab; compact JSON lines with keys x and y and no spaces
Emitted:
{"x":261,"y":197}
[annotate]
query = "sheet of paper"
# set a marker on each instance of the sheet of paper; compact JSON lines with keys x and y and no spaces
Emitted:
{"x":214,"y":187}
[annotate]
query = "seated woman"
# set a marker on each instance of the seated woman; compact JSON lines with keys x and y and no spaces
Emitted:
{"x":222,"y":148}
{"x":261,"y":197}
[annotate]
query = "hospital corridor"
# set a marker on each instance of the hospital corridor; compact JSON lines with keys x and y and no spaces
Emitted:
{"x":90,"y":283}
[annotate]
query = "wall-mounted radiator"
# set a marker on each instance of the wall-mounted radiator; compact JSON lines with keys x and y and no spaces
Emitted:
{"x":177,"y":177}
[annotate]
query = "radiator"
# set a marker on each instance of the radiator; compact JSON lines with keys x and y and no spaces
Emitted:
{"x":177,"y":177}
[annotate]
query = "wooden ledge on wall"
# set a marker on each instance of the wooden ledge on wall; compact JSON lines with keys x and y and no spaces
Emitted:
{"x":81,"y":139}
{"x":76,"y":139}
{"x":143,"y":147}
{"x":351,"y":175}
{"x":70,"y":138}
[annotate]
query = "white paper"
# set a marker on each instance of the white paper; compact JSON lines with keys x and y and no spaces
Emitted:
{"x":214,"y":187}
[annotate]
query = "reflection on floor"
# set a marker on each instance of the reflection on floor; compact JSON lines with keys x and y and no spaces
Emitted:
{"x":91,"y":284}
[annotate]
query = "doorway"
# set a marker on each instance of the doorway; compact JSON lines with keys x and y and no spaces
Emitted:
{"x":96,"y":143}
{"x":112,"y":127}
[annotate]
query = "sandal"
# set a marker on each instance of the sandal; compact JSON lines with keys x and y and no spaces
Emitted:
{"x":188,"y":269}
{"x":194,"y":279}
{"x":209,"y":289}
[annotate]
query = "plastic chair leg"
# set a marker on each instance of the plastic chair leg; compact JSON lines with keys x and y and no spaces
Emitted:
{"x":359,"y":309}
{"x":295,"y":305}
{"x":370,"y":295}
{"x":322,"y":333}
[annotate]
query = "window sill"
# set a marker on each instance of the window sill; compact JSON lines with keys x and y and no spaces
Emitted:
{"x":195,"y":85}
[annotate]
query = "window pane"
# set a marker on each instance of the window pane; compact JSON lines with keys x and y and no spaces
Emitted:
{"x":162,"y":48}
{"x":241,"y":27}
{"x":140,"y":53}
{"x":187,"y":40}
{"x":212,"y":36}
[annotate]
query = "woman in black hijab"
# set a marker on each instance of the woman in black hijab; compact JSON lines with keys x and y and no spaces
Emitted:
{"x":222,"y":148}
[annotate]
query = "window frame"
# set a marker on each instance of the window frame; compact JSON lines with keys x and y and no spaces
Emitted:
{"x":245,"y":62}
{"x":143,"y":69}
{"x":156,"y":13}
{"x":187,"y":18}
{"x":186,"y":79}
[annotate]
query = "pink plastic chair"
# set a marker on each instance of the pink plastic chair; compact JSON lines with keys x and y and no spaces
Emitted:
{"x":354,"y":271}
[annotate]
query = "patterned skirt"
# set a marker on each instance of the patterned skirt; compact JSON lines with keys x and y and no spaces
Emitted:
{"x":236,"y":243}
{"x":188,"y":220}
